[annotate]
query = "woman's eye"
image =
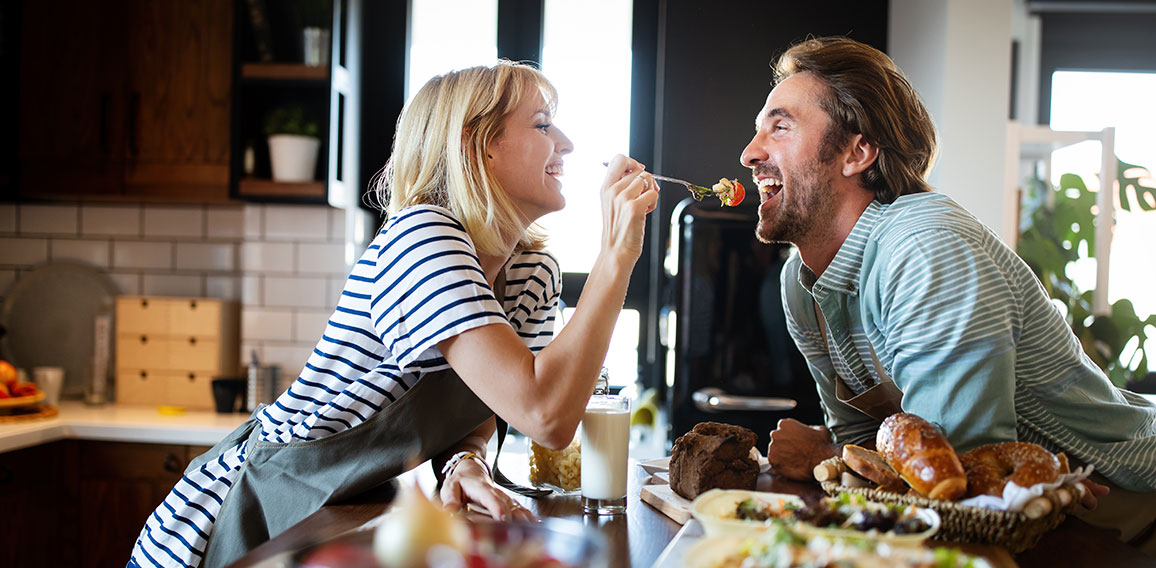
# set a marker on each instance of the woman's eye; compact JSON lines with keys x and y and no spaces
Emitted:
{"x":542,"y":127}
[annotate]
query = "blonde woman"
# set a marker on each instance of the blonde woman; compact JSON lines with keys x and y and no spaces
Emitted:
{"x":444,"y":322}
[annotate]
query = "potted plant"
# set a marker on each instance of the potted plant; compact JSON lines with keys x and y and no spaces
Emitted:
{"x":293,"y":143}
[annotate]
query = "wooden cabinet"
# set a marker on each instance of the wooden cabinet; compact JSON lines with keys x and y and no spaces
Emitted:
{"x":271,"y":74}
{"x":38,"y":507}
{"x":168,"y":350}
{"x":125,"y":99}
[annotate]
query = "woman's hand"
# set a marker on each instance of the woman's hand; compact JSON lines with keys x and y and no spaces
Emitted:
{"x":469,"y":483}
{"x":628,"y":194}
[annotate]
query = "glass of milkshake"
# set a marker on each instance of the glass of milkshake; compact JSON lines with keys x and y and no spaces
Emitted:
{"x":605,"y":440}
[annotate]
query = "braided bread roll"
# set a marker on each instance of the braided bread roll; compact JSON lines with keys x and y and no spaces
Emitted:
{"x":922,"y":456}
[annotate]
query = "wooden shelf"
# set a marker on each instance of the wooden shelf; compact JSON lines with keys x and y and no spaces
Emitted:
{"x":254,"y":187}
{"x":293,"y":71}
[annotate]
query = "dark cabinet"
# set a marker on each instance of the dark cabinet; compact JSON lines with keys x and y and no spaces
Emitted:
{"x":271,"y":75}
{"x":37,"y":507}
{"x":125,"y":99}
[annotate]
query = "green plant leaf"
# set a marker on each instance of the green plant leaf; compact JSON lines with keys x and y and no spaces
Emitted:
{"x":1144,"y":196}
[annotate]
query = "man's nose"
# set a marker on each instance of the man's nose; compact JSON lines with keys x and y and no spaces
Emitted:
{"x":753,"y":154}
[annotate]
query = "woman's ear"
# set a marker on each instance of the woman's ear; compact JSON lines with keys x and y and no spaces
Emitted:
{"x":860,"y":155}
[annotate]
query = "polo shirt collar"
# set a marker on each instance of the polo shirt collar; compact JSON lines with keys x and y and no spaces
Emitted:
{"x":843,"y":272}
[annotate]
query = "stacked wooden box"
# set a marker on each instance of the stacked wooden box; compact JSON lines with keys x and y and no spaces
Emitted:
{"x":168,"y":350}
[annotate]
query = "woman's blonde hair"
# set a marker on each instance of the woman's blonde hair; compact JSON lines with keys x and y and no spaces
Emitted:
{"x":439,"y":151}
{"x":867,"y":94}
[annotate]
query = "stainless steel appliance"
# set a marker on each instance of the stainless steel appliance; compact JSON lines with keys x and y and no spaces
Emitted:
{"x":733,"y":360}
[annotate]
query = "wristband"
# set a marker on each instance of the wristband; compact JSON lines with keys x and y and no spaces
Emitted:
{"x":457,"y":458}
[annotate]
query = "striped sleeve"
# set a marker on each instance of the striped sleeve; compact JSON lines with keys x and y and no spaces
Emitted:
{"x":533,"y":286}
{"x":943,"y":321}
{"x":429,"y":285}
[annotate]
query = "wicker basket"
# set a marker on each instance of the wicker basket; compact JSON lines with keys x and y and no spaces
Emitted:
{"x":1014,"y":531}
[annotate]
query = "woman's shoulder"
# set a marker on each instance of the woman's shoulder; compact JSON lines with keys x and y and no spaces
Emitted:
{"x":534,"y":266}
{"x":419,"y":217}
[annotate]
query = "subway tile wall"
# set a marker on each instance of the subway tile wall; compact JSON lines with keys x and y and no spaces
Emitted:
{"x":284,"y":263}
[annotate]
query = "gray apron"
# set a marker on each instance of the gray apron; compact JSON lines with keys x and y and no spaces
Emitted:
{"x":282,"y":483}
{"x":881,"y":400}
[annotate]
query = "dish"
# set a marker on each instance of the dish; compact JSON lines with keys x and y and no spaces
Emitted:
{"x":21,"y":400}
{"x":50,"y":317}
{"x":552,"y":543}
{"x":715,"y":509}
{"x":852,"y":505}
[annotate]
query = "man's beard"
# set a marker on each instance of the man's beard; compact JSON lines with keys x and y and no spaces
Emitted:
{"x":810,"y":200}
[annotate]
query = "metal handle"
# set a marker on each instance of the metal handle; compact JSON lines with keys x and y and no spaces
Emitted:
{"x":172,"y":464}
{"x":712,"y":399}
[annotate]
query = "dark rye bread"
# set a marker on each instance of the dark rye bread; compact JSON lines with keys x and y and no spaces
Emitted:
{"x":713,"y":456}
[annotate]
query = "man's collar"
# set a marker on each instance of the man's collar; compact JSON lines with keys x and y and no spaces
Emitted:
{"x":843,"y":272}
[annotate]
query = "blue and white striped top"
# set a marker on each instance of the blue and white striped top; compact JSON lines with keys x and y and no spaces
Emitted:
{"x":967,"y":333}
{"x":418,"y":283}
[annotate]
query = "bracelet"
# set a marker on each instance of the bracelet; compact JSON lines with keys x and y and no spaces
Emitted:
{"x":457,"y":458}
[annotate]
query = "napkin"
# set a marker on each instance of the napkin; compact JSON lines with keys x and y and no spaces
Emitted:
{"x":1015,"y":497}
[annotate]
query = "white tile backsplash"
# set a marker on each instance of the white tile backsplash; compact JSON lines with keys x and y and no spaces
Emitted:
{"x":323,"y":258}
{"x":142,"y":254}
{"x":7,"y":218}
{"x":308,"y":325}
{"x":296,"y":292}
{"x":225,"y":222}
{"x":174,"y":222}
{"x":128,"y":283}
{"x":336,"y":225}
{"x":206,"y":256}
{"x":223,"y":287}
{"x":182,"y":285}
{"x":267,"y":324}
{"x":95,"y":253}
{"x":293,"y":223}
{"x":251,"y":290}
{"x":254,"y":222}
{"x":48,"y":219}
{"x":23,"y":251}
{"x":110,"y":220}
{"x":290,"y":357}
{"x":263,"y":257}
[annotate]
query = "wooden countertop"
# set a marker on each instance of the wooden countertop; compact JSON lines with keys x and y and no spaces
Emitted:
{"x":639,"y":537}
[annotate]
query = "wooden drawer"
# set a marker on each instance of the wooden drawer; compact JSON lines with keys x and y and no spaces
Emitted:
{"x":191,"y":390}
{"x":140,"y":386}
{"x":194,"y":354}
{"x":143,"y":351}
{"x":195,"y":316}
{"x":137,"y":314}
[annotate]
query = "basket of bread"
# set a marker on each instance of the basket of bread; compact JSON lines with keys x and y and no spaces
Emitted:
{"x":1008,"y":494}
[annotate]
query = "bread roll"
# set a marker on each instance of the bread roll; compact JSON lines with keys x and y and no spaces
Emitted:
{"x":922,"y":456}
{"x":990,"y":467}
{"x":713,"y":456}
{"x":871,"y":466}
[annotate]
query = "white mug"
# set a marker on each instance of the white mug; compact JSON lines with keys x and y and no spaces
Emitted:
{"x":49,"y":380}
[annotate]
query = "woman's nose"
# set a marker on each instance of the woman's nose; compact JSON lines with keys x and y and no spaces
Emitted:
{"x":562,"y":144}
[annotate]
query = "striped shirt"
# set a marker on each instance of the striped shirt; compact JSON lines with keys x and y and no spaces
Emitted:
{"x":418,"y":283}
{"x":967,"y":333}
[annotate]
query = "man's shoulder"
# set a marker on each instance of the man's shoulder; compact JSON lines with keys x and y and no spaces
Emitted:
{"x":922,"y":212}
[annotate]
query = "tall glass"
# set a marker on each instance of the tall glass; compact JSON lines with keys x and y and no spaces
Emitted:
{"x":605,"y":441}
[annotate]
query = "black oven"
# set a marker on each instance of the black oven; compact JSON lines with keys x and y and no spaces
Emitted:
{"x":733,"y":360}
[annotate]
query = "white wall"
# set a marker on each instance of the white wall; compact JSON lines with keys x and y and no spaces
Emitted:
{"x":957,"y":54}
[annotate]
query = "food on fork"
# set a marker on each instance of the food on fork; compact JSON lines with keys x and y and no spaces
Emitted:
{"x":922,"y":456}
{"x":713,"y":456}
{"x":989,"y":468}
{"x":729,"y":191}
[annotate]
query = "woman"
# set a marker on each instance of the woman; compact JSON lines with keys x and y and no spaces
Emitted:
{"x":445,"y":321}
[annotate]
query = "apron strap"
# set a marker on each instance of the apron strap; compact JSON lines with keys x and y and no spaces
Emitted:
{"x":881,"y":400}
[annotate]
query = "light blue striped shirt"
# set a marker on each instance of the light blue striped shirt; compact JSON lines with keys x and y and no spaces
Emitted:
{"x":418,"y":283}
{"x":966,"y":332}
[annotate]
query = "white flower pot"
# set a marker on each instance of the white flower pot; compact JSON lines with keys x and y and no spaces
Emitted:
{"x":294,"y":158}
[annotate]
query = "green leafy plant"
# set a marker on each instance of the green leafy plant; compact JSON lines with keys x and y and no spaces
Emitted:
{"x":1057,"y":227}
{"x":291,"y":119}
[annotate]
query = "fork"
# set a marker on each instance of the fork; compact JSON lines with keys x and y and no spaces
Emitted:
{"x":697,"y":191}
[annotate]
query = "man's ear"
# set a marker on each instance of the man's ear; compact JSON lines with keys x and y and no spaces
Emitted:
{"x":860,"y":155}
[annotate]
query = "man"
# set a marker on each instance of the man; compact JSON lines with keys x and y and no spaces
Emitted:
{"x":901,"y":300}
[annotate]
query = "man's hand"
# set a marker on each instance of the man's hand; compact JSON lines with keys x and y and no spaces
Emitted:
{"x":796,"y":449}
{"x":1094,"y":490}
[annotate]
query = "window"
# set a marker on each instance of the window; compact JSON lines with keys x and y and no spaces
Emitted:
{"x":473,"y":27}
{"x":1090,"y":101}
{"x":586,"y":54}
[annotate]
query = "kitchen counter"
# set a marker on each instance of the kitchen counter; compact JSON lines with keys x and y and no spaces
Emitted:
{"x":120,"y":423}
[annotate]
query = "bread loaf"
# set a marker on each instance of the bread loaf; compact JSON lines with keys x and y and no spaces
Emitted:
{"x":922,"y":456}
{"x":713,"y":456}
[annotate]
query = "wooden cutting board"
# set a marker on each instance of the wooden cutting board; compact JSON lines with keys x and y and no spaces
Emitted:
{"x":662,"y":497}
